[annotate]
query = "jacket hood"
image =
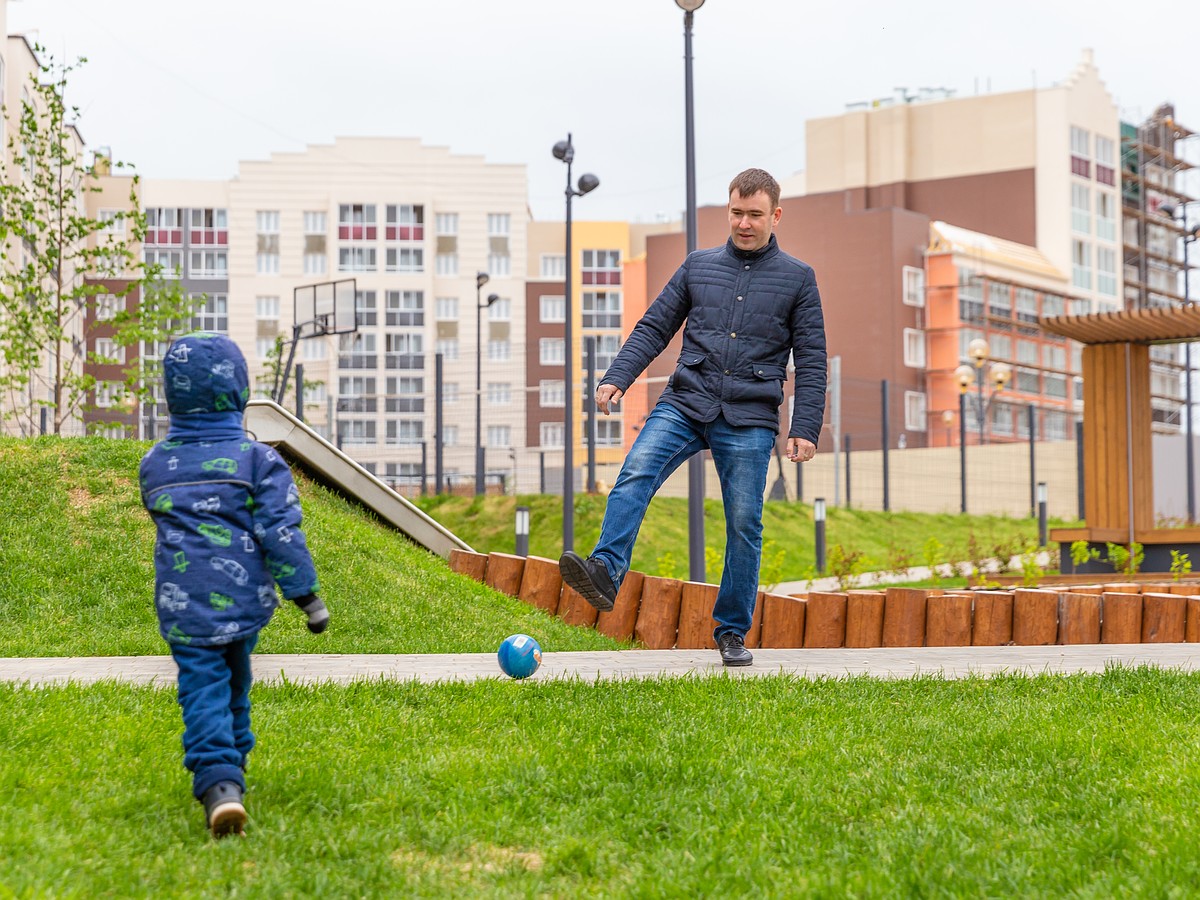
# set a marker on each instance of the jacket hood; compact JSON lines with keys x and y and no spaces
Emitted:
{"x":204,"y":372}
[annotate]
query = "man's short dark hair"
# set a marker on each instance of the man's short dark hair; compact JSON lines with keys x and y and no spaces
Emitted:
{"x":752,"y":181}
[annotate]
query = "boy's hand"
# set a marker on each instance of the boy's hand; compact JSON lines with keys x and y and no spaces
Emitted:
{"x":312,"y":606}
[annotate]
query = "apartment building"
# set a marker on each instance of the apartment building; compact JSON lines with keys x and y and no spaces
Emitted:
{"x":609,"y":296}
{"x":411,"y":226}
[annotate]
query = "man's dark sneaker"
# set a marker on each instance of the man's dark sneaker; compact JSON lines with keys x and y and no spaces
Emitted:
{"x":590,"y":578}
{"x":223,"y":809}
{"x":733,"y":649}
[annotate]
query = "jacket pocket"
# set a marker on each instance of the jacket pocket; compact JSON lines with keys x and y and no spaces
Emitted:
{"x":766,"y":382}
{"x":688,"y":373}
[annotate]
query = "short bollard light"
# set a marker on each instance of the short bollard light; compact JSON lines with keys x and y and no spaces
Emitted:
{"x":819,"y":520}
{"x":1043,"y":535}
{"x":522,"y":531}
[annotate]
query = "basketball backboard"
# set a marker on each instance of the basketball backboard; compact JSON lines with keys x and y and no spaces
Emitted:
{"x":325,"y":308}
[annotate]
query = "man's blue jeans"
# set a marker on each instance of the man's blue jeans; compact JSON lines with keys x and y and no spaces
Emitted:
{"x":742,"y":456}
{"x":214,"y":692}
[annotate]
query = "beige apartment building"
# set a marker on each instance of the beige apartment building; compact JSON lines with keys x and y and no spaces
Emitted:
{"x":412,"y":226}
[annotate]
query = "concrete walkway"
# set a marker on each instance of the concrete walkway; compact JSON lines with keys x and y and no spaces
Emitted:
{"x":902,"y":662}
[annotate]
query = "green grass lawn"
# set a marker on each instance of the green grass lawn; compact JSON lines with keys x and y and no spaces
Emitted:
{"x":1081,"y":786}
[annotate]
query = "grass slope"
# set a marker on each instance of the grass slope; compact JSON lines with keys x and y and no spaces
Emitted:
{"x":77,"y":577}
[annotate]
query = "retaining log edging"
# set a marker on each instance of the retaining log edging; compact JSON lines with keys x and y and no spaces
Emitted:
{"x":664,"y":613}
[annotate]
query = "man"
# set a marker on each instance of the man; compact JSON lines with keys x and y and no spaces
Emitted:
{"x":747,"y":305}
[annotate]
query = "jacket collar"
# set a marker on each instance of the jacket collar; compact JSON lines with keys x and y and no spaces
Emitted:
{"x":766,"y":252}
{"x":214,"y":426}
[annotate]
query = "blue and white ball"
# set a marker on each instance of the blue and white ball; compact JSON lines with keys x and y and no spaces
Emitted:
{"x":520,"y":655}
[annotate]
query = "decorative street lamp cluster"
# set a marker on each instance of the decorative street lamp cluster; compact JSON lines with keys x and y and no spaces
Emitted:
{"x":999,"y":374}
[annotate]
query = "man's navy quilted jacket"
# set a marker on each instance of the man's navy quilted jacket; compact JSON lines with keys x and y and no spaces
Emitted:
{"x":746,"y":311}
{"x":225,"y":506}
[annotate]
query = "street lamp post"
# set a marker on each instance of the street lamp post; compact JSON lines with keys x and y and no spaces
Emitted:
{"x":565,"y":151}
{"x":480,"y":477}
{"x":1189,"y":235}
{"x":999,"y":374}
{"x":696,"y":463}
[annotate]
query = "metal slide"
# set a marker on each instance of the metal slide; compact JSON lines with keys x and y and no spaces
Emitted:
{"x":270,"y":423}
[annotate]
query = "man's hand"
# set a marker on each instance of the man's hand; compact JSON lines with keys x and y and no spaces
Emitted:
{"x":800,"y":450}
{"x":607,"y":394}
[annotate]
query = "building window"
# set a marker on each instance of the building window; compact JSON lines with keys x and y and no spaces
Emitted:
{"x":499,"y":393}
{"x":446,"y":264}
{"x":450,"y":393}
{"x":405,"y":308}
{"x":405,"y":351}
{"x":914,"y":348}
{"x":356,"y":222}
{"x":404,"y":223}
{"x":209,"y":226}
{"x":999,"y":300}
{"x":498,"y":224}
{"x":1081,"y":152}
{"x":266,"y":309}
{"x":1106,"y":216}
{"x":552,"y":351}
{"x":314,"y":243}
{"x":357,"y":351}
{"x":107,"y":307}
{"x":450,"y":435}
{"x":108,"y":393}
{"x":551,"y":435}
{"x":608,"y":432}
{"x":1081,"y":208}
{"x":208,"y":264}
{"x":499,"y":351}
{"x":499,"y":265}
{"x":914,"y":411}
{"x":448,"y":347}
{"x":1027,"y":306}
{"x":366,"y":312}
{"x":267,"y":251}
{"x":607,"y":348}
{"x":164,"y":226}
{"x":1106,"y":271}
{"x":164,"y":263}
{"x":1081,"y":264}
{"x":211,"y":313}
{"x":405,"y":259}
{"x":446,"y":309}
{"x":1052,"y":305}
{"x":554,"y":266}
{"x":601,"y":267}
{"x":552,"y":394}
{"x":1000,"y":346}
{"x":447,"y":224}
{"x":108,"y":352}
{"x":405,"y":431}
{"x":553,"y":309}
{"x":1106,"y":161}
{"x":312,"y":351}
{"x":356,"y":259}
{"x":264,"y":347}
{"x":601,"y":309}
{"x":500,"y":310}
{"x":357,"y":431}
{"x":114,"y":222}
{"x":914,"y":286}
{"x":499,"y":436}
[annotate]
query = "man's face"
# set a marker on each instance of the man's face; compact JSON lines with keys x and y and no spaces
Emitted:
{"x":751,"y":220}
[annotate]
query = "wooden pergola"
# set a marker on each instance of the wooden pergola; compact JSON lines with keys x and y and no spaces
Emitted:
{"x":1117,"y":460}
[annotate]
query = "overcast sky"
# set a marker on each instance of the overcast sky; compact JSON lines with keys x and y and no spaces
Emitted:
{"x":187,"y":91}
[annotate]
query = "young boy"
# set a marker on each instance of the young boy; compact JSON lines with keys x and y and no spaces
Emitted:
{"x":227,"y":515}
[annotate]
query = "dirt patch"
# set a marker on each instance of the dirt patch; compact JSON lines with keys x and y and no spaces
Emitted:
{"x":81,"y":499}
{"x":486,"y":858}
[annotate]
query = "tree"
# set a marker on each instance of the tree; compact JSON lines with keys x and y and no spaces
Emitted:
{"x":58,"y":262}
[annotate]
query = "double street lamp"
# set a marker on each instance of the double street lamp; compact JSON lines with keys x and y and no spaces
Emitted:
{"x":481,"y":279}
{"x":1189,"y":236}
{"x":999,"y":374}
{"x":696,"y":463}
{"x":565,"y":151}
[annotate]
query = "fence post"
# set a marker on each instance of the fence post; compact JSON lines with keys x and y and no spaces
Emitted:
{"x":846,"y":447}
{"x":884,"y":443}
{"x":819,"y":522}
{"x":1079,"y":466}
{"x":962,"y":448}
{"x":438,"y":443}
{"x":1032,"y":413}
{"x":300,"y":391}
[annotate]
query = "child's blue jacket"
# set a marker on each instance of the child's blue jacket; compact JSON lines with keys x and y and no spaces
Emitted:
{"x":225,"y":506}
